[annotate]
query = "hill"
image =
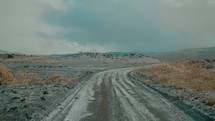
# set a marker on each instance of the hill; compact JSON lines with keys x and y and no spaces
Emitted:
{"x":188,"y":54}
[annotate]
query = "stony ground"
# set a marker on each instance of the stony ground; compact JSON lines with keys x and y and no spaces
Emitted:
{"x":34,"y":101}
{"x":105,"y":89}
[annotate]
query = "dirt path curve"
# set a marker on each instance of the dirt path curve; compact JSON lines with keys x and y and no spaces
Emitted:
{"x":112,"y":96}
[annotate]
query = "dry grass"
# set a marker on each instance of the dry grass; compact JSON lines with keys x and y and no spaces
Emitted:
{"x":7,"y":78}
{"x":182,"y":74}
{"x":23,"y":78}
{"x":56,"y":78}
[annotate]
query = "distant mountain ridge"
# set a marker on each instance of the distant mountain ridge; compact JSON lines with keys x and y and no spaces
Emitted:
{"x":7,"y":52}
{"x":4,"y":52}
{"x":111,"y":53}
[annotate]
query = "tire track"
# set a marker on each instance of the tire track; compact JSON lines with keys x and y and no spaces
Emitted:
{"x":158,"y":105}
{"x":138,"y":110}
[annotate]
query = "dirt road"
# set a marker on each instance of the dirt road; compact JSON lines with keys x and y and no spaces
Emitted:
{"x":112,"y":96}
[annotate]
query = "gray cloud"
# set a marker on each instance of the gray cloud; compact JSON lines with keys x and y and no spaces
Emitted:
{"x":138,"y":25}
{"x":194,"y":17}
{"x":21,"y":29}
{"x":95,"y":25}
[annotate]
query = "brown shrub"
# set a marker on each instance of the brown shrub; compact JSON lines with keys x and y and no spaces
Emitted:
{"x":182,"y":74}
{"x":8,"y":79}
{"x":56,"y":78}
{"x":6,"y":76}
{"x":23,"y":78}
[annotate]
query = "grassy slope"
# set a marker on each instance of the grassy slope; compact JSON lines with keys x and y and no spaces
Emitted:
{"x":182,"y":74}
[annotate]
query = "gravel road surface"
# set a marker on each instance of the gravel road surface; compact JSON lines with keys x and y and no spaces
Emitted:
{"x":112,"y":96}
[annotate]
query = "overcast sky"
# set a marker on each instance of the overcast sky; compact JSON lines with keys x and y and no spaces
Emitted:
{"x":69,"y":26}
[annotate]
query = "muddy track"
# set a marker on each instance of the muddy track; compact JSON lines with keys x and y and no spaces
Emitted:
{"x":112,"y":96}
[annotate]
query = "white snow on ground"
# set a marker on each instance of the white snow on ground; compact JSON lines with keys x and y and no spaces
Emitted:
{"x":132,"y":96}
{"x":74,"y":108}
{"x":79,"y":108}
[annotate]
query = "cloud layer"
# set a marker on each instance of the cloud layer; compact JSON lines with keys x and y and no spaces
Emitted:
{"x":68,"y":26}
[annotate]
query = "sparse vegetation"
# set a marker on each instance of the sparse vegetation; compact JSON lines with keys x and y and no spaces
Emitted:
{"x":7,"y":77}
{"x":10,"y":56}
{"x":182,"y":74}
{"x":57,"y":78}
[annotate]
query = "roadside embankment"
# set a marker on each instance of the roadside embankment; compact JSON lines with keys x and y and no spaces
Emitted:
{"x":192,"y":82}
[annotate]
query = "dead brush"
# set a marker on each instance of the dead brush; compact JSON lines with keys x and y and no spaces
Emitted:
{"x":21,"y":78}
{"x":57,"y":78}
{"x":6,"y":76}
{"x":182,"y":74}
